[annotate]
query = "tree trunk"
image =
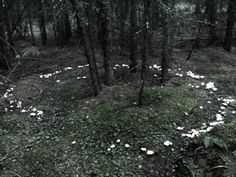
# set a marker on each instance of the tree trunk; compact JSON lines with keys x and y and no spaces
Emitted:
{"x":133,"y":40}
{"x":9,"y":30}
{"x":31,"y":28}
{"x":211,"y":9}
{"x":67,"y":26}
{"x":89,"y":51}
{"x":92,"y":61}
{"x":230,"y":25}
{"x":104,"y":38}
{"x":7,"y":22}
{"x":155,"y":15}
{"x":3,"y":53}
{"x":146,"y":23}
{"x":42,"y":24}
{"x":74,"y":9}
{"x":63,"y":30}
{"x":172,"y":30}
{"x":165,"y":45}
{"x":199,"y":17}
{"x":122,"y":19}
{"x":60,"y":33}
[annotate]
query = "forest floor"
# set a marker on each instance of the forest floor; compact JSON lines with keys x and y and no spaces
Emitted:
{"x":52,"y":126}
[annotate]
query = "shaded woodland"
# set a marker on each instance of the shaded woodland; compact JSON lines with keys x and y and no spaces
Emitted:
{"x":138,"y":87}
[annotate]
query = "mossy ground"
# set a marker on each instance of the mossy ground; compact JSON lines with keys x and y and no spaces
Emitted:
{"x":76,"y":131}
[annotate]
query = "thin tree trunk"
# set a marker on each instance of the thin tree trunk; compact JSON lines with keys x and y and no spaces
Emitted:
{"x":133,"y":40}
{"x":155,"y":16}
{"x":146,"y":23}
{"x":199,"y":17}
{"x":211,"y":6}
{"x":89,"y":51}
{"x":31,"y":28}
{"x":4,"y":64}
{"x":25,"y":28}
{"x":42,"y":24}
{"x":60,"y":33}
{"x":122,"y":20}
{"x":67,"y":26}
{"x":79,"y":30}
{"x":172,"y":30}
{"x":165,"y":45}
{"x":9,"y":31}
{"x":8,"y":22}
{"x":104,"y":38}
{"x":230,"y":25}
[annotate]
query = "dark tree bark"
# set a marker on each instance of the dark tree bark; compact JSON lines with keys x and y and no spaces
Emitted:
{"x":67,"y":26}
{"x":77,"y":18}
{"x":42,"y":25}
{"x":165,"y":45}
{"x":16,"y":24}
{"x":211,"y":10}
{"x":146,"y":23}
{"x":60,"y":33}
{"x":25,"y":28}
{"x":89,"y":50}
{"x":172,"y":30}
{"x":155,"y":15}
{"x":230,"y":25}
{"x":7,"y":21}
{"x":9,"y":31}
{"x":104,"y":38}
{"x":199,"y":16}
{"x":4,"y":64}
{"x":133,"y":39}
{"x":3,"y":56}
{"x":154,"y":25}
{"x":123,"y":10}
{"x":31,"y":28}
{"x":63,"y":30}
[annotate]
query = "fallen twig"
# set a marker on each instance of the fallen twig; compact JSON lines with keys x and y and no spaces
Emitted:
{"x":13,"y":173}
{"x":219,"y":166}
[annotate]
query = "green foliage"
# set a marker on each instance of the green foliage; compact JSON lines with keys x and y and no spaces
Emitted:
{"x":225,"y":132}
{"x":210,"y":142}
{"x":222,"y":136}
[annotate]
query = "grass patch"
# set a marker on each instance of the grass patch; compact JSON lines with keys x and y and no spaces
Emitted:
{"x":110,"y":121}
{"x":70,"y":92}
{"x":50,"y":151}
{"x":95,"y":130}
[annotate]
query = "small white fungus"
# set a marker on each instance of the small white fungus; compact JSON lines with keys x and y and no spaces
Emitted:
{"x":112,"y":146}
{"x":144,"y":149}
{"x":150,"y":152}
{"x":168,"y":143}
{"x":127,"y":145}
{"x":73,"y":142}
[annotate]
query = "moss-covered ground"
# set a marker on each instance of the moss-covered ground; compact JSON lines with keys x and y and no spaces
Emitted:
{"x":84,"y":136}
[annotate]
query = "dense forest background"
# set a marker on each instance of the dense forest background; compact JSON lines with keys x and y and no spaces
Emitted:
{"x":137,"y":28}
{"x":109,"y":88}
